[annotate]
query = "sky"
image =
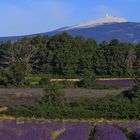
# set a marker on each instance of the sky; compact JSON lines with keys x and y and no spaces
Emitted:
{"x":22,"y":17}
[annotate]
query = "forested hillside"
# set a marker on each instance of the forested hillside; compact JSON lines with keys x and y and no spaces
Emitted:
{"x":68,"y":57}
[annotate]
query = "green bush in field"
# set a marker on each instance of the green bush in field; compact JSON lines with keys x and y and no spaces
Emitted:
{"x":88,"y":79}
{"x":53,"y":96}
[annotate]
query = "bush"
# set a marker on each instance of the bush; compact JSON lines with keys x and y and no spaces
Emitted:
{"x":88,"y":80}
{"x":53,"y":96}
{"x":44,"y":81}
{"x":134,"y":92}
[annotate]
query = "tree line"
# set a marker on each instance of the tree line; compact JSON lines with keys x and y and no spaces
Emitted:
{"x":66,"y":56}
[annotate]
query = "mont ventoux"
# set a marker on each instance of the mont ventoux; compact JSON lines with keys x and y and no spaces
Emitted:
{"x":106,"y":28}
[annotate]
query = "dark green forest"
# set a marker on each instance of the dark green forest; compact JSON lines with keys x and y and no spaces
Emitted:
{"x":65,"y":56}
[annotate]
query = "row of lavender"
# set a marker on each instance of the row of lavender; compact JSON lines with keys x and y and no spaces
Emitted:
{"x":117,"y":131}
{"x":59,"y":130}
{"x":44,"y":130}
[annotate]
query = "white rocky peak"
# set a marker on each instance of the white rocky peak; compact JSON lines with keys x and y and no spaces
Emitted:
{"x":104,"y":20}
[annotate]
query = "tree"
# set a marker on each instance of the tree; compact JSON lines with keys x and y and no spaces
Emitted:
{"x":54,"y":96}
{"x":114,"y":42}
{"x":88,"y":79}
{"x":135,"y":91}
{"x":137,"y":61}
{"x":136,"y":87}
{"x":18,"y":72}
{"x":17,"y":58}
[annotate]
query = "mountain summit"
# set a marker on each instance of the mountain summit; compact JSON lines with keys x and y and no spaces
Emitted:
{"x":101,"y":21}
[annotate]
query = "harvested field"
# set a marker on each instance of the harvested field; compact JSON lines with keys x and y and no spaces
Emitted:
{"x":19,"y":96}
{"x":13,"y":99}
{"x":16,"y":96}
{"x":9,"y":97}
{"x":21,"y":90}
{"x":89,"y":93}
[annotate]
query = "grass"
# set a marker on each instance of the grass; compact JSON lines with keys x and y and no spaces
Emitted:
{"x":35,"y":78}
{"x":91,"y":120}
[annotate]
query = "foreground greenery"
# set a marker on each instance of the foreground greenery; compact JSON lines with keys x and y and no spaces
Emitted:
{"x":54,"y":105}
{"x":35,"y":61}
{"x":64,"y":56}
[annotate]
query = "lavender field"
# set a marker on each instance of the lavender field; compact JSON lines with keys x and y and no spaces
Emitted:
{"x":60,"y":130}
{"x":42,"y":130}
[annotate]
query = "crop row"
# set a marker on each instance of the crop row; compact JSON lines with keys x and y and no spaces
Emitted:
{"x":60,"y":130}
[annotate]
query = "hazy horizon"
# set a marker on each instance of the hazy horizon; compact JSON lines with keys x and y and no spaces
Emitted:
{"x":27,"y":17}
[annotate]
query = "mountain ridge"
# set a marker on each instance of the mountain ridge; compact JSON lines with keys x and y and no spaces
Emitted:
{"x":106,"y":28}
{"x":108,"y":19}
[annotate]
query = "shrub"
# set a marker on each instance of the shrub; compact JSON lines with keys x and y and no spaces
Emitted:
{"x":53,"y":96}
{"x":44,"y":81}
{"x":88,"y":80}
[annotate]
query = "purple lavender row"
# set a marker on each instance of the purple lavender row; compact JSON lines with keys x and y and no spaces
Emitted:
{"x":105,"y":131}
{"x":77,"y":131}
{"x":132,"y":129}
{"x":41,"y":130}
